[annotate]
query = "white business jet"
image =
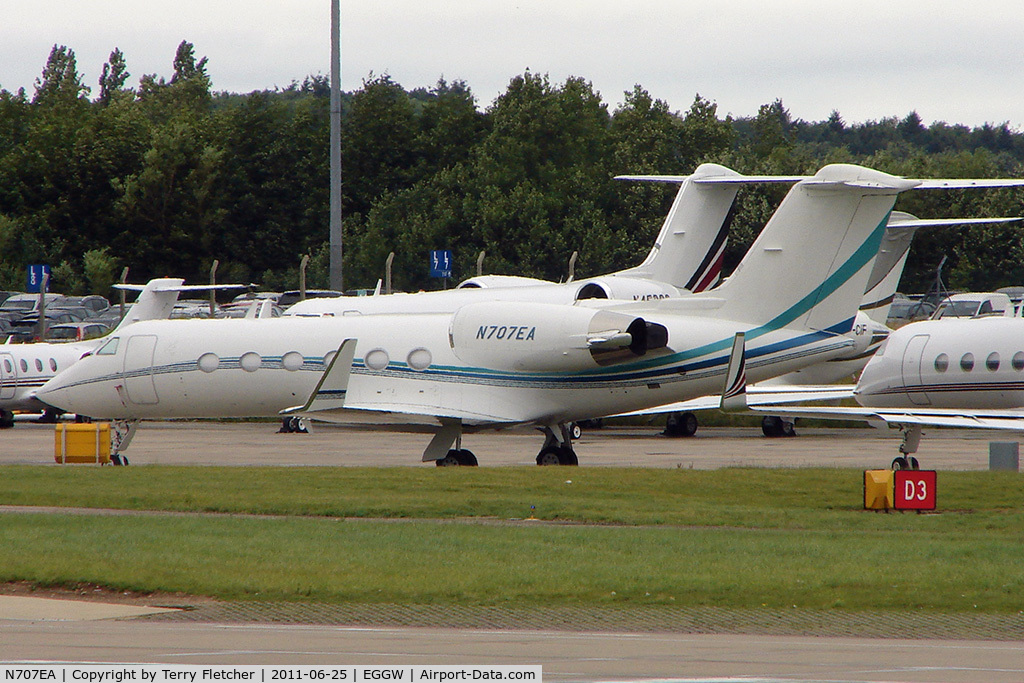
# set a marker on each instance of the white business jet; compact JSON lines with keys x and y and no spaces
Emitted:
{"x":686,"y":257}
{"x":945,"y":373}
{"x":26,"y":367}
{"x":817,"y":382}
{"x":495,"y":364}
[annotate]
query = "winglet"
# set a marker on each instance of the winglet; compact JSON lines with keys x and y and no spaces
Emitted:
{"x":734,"y":393}
{"x":329,"y":393}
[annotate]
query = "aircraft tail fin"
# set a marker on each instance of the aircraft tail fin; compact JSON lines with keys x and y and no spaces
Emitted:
{"x":157,"y":298}
{"x":809,"y":267}
{"x":892,"y":257}
{"x":688,"y":251}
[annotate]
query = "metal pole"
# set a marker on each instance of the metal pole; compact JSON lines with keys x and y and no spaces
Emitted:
{"x":43,"y":287}
{"x":302,"y":277}
{"x":124,"y":279}
{"x":387,"y":272}
{"x":213,"y":283}
{"x":335,"y":223}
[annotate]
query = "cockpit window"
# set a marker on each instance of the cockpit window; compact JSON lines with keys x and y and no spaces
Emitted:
{"x":109,"y":349}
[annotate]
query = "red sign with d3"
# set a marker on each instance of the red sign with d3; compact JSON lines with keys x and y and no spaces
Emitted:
{"x":914,"y":490}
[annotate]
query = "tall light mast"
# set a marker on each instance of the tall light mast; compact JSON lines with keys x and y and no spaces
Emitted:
{"x":335,"y":224}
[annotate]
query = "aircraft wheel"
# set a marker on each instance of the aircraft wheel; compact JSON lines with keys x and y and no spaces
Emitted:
{"x":680,"y":424}
{"x":6,"y":419}
{"x":298,"y":426}
{"x":575,"y":431}
{"x":567,"y":456}
{"x":466,"y":458}
{"x":286,"y":426}
{"x":771,"y":426}
{"x":451,"y":459}
{"x":900,"y":463}
{"x":549,"y":456}
{"x":914,"y":464}
{"x":787,"y":428}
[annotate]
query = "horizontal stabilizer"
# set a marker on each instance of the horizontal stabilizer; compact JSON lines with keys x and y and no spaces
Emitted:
{"x":946,"y":222}
{"x":329,"y":393}
{"x":715,"y":179}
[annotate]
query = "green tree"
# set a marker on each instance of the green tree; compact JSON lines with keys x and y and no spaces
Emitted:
{"x":112,"y":80}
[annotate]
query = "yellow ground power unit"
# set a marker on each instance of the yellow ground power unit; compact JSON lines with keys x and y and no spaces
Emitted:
{"x":82,"y":443}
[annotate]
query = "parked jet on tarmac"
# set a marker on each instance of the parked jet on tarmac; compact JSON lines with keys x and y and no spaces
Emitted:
{"x":26,"y":367}
{"x":945,"y":373}
{"x":495,"y":364}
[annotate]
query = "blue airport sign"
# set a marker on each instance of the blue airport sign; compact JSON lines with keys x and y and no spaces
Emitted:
{"x":441,"y":263}
{"x":35,"y":278}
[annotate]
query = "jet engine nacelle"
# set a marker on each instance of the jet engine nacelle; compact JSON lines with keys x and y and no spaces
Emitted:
{"x":534,"y":337}
{"x":625,"y":288}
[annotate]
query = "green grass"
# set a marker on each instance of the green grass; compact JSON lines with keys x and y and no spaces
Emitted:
{"x":734,"y":537}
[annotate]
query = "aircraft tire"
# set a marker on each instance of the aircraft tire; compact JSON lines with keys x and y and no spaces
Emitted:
{"x":549,"y":455}
{"x":771,"y":426}
{"x":451,"y":459}
{"x":914,"y":464}
{"x":567,"y":456}
{"x":900,"y":463}
{"x":575,"y":431}
{"x":680,"y":424}
{"x":466,"y":458}
{"x":6,"y":419}
{"x":787,"y":428}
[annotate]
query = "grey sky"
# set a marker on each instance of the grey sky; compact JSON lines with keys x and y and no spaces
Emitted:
{"x":951,"y":61}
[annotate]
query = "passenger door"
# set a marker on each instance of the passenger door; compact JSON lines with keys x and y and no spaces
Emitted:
{"x":138,"y":369}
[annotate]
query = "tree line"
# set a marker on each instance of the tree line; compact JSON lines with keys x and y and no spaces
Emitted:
{"x":168,"y":175}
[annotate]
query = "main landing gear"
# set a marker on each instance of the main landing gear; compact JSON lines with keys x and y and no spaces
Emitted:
{"x":457,"y":457}
{"x":773,"y":426}
{"x":911,"y":440}
{"x":680,"y":424}
{"x":558,"y":451}
{"x":446,"y":450}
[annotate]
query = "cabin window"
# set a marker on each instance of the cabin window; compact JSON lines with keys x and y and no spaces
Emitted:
{"x":967,"y":362}
{"x":292,"y":361}
{"x":24,"y":365}
{"x":108,"y":349}
{"x":53,"y":365}
{"x":250,"y":361}
{"x":419,"y":359}
{"x":377,"y":359}
{"x":1018,"y":361}
{"x":208,"y":362}
{"x":992,"y":362}
{"x":39,"y":365}
{"x":7,"y":366}
{"x":941,"y":362}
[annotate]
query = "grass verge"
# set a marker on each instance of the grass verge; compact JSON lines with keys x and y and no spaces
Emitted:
{"x":736,"y":538}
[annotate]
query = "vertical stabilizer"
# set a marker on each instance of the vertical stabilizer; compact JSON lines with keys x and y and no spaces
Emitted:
{"x":688,"y":251}
{"x":809,"y":267}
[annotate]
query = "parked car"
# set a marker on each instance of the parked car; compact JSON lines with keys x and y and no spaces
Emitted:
{"x":76,"y":331}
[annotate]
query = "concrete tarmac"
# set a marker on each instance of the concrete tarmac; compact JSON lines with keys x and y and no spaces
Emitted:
{"x":258,"y":443}
{"x":74,"y":633}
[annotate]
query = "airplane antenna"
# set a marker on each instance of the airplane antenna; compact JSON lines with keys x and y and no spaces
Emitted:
{"x":572,"y":265}
{"x":480,"y":263}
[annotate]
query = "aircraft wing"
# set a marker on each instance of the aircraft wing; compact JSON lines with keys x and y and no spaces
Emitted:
{"x":769,"y":396}
{"x":1008,"y":420}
